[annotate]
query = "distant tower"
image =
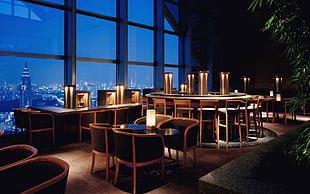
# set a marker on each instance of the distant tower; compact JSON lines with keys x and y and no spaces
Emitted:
{"x":25,"y":88}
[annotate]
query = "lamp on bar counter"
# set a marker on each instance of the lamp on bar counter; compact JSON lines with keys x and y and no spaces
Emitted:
{"x":70,"y":96}
{"x":168,"y":82}
{"x":203,"y":82}
{"x":120,"y":90}
{"x":224,"y":83}
{"x":190,"y":83}
{"x":183,"y":88}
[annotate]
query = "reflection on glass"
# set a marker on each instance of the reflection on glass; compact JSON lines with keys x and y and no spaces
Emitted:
{"x":95,"y":37}
{"x":95,"y":76}
{"x":140,"y":44}
{"x":171,"y":49}
{"x":26,"y":27}
{"x":141,"y":11}
{"x":28,"y":82}
{"x":140,"y":76}
{"x":105,"y":7}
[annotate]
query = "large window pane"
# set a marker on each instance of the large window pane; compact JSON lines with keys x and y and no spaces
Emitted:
{"x":140,"y":44}
{"x":96,"y":38}
{"x":26,"y":27}
{"x":175,"y":77}
{"x":140,"y":77}
{"x":95,"y":76}
{"x":28,"y":82}
{"x":171,"y":49}
{"x":56,"y":1}
{"x":105,"y":7}
{"x":141,"y":11}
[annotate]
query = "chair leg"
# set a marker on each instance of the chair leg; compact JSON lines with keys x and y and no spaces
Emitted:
{"x":134,"y":179}
{"x":163,"y":168}
{"x":80,"y":137}
{"x":169,"y":152}
{"x":184,"y":160}
{"x":107,"y":167}
{"x":194,"y":152}
{"x":116,"y":172}
{"x":92,"y":163}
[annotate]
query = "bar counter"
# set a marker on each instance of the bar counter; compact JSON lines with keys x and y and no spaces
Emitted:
{"x":181,"y":96}
{"x":67,"y":120}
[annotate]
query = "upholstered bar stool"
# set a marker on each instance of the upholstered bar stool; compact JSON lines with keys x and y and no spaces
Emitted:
{"x":207,"y":114}
{"x":160,"y":106}
{"x":183,"y":108}
{"x":230,"y":109}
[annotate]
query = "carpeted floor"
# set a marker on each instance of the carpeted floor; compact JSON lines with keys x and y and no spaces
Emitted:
{"x":78,"y":155}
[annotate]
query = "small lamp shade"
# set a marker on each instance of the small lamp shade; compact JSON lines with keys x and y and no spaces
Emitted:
{"x":150,"y":118}
{"x":278,"y":97}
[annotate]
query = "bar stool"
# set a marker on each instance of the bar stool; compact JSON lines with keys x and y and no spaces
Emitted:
{"x":207,"y":114}
{"x":160,"y":106}
{"x":182,"y":108}
{"x":230,"y":109}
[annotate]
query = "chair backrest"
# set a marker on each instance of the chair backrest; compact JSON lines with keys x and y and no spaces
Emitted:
{"x":134,"y":113}
{"x":178,"y":123}
{"x":102,"y":139}
{"x":21,"y":117}
{"x":86,"y":118}
{"x":120,"y":117}
{"x":101,"y":116}
{"x":39,"y":174}
{"x":159,"y":118}
{"x":10,"y":155}
{"x":138,"y":148}
{"x":160,"y":105}
{"x":188,"y":127}
{"x":182,"y":104}
{"x":40,"y":120}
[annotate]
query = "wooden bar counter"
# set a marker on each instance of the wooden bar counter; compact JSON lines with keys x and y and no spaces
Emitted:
{"x":67,"y":120}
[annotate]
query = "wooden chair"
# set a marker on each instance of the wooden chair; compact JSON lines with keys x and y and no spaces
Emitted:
{"x":137,"y":150}
{"x":36,"y":175}
{"x":21,"y":119}
{"x":86,"y":118}
{"x":159,"y":118}
{"x":102,"y":143}
{"x":183,"y":108}
{"x":230,"y":110}
{"x":160,"y":106}
{"x":186,"y":140}
{"x":207,"y":114}
{"x":13,"y":154}
{"x":40,"y":122}
{"x":120,"y":117}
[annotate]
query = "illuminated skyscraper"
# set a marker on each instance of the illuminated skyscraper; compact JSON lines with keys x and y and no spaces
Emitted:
{"x":25,"y":88}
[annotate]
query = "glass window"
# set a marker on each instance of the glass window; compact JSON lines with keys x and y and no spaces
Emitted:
{"x":28,"y":82}
{"x":141,"y":11}
{"x":105,"y":7}
{"x":171,"y":49}
{"x":140,"y":77}
{"x":167,"y":25}
{"x":173,"y":9}
{"x":96,"y":37}
{"x":31,"y":28}
{"x":140,"y":44}
{"x":56,"y":1}
{"x":175,"y":77}
{"x":93,"y":76}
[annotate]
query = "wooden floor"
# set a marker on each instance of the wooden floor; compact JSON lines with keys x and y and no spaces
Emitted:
{"x":80,"y":180}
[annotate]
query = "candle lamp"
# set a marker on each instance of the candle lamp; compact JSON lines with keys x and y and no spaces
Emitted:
{"x":70,"y":96}
{"x":190,"y":83}
{"x":168,"y":82}
{"x":224,"y":83}
{"x":150,"y":118}
{"x":120,"y":90}
{"x":203,"y":82}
